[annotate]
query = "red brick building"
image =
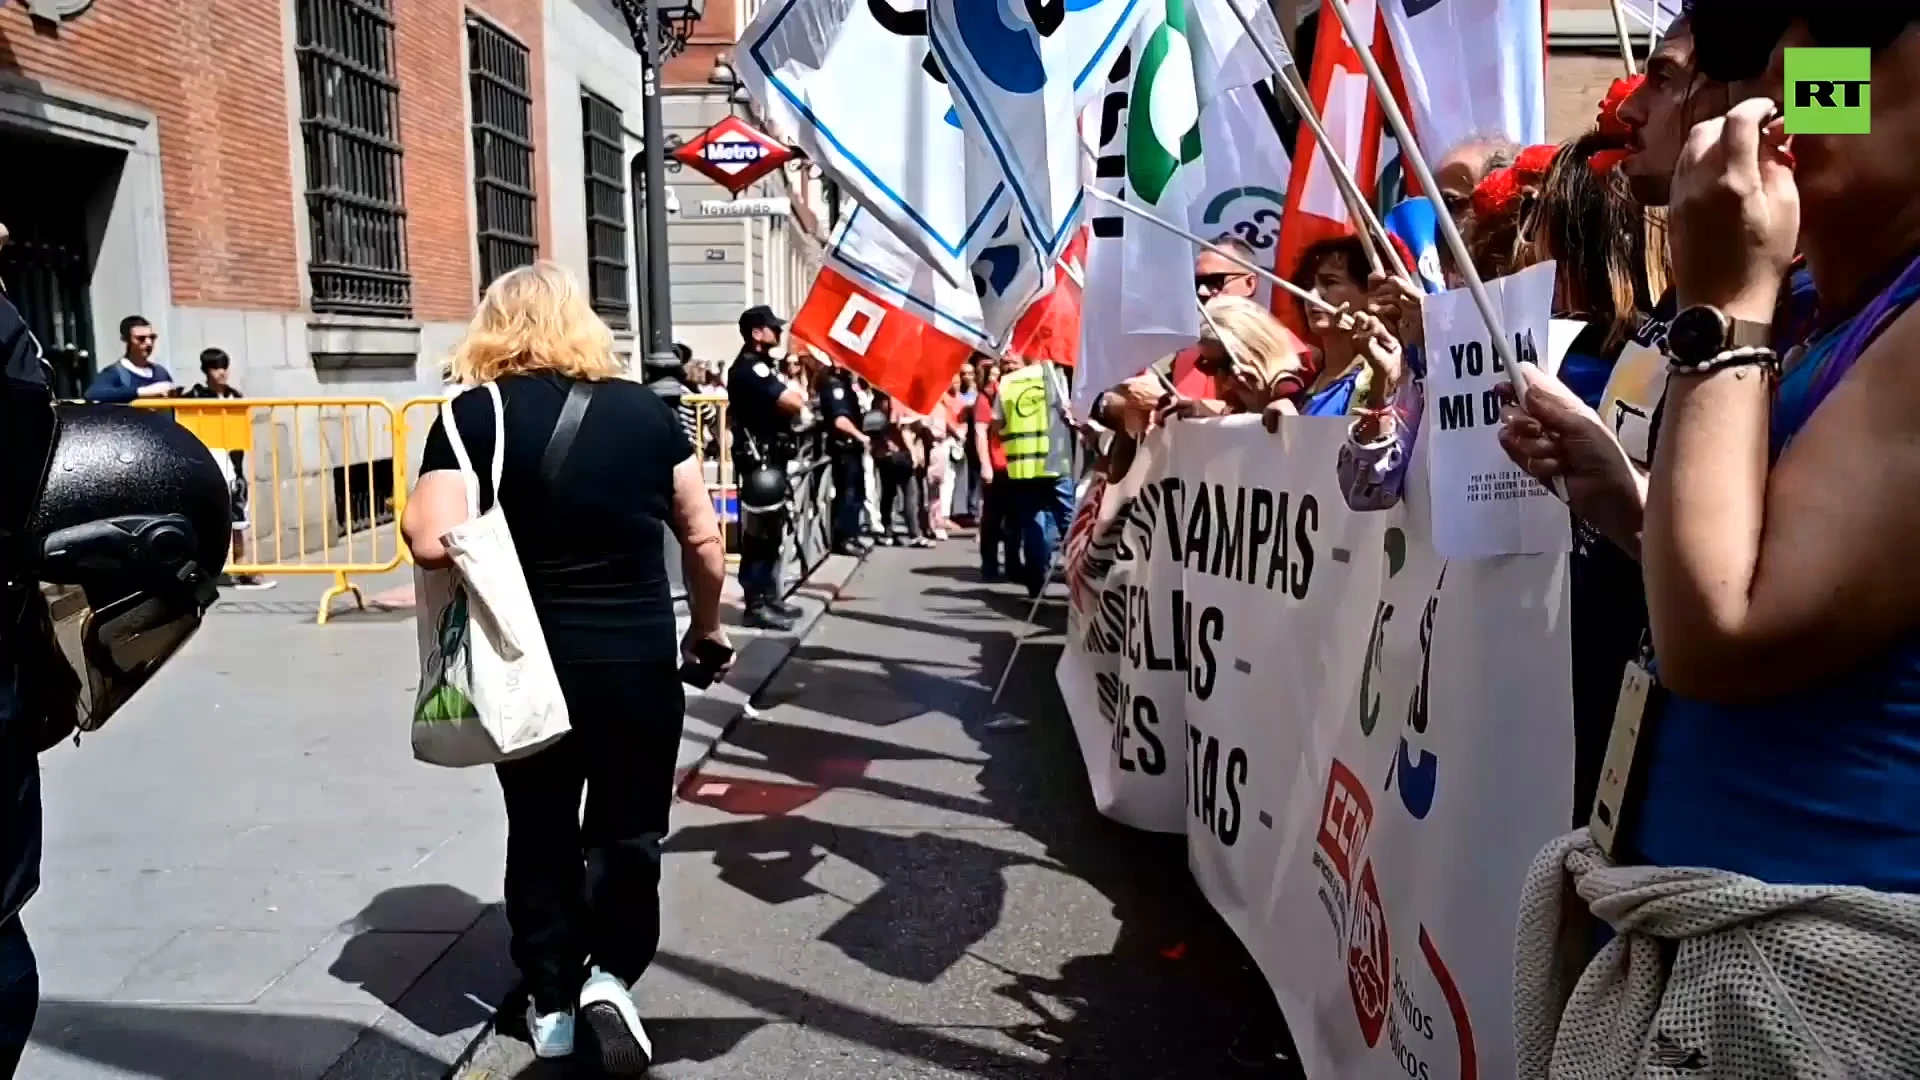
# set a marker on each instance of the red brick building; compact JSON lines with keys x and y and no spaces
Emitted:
{"x":315,"y":186}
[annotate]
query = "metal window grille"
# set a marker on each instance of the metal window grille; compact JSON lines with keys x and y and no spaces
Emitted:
{"x":498,"y":71}
{"x":606,"y":208}
{"x":349,"y":124}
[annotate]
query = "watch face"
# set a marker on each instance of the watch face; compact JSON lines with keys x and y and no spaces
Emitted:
{"x":1697,"y":335}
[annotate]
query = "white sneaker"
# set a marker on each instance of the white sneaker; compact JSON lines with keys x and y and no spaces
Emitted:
{"x":607,"y":1007}
{"x":551,"y":1033}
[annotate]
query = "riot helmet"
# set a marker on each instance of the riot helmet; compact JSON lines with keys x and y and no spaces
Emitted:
{"x":135,"y":513}
{"x":764,"y":490}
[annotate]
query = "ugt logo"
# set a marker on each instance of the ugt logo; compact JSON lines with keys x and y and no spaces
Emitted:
{"x":1828,"y":91}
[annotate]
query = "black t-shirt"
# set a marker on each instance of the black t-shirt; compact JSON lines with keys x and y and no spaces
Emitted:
{"x":592,"y":547}
{"x":754,"y":387}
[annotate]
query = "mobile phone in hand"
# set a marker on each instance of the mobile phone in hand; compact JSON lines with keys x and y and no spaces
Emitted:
{"x":709,"y":656}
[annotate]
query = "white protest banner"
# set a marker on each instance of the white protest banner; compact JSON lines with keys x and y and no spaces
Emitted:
{"x":1484,"y":504}
{"x":1119,"y":668}
{"x":1395,"y":914}
{"x":1365,"y":781}
{"x":1279,"y":578}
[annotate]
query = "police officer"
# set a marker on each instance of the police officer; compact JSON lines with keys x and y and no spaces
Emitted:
{"x":131,"y":508}
{"x":762,"y":410}
{"x":847,"y":449}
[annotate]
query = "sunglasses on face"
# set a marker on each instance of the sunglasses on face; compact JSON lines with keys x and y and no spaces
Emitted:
{"x":1213,"y":360}
{"x":1215,"y":282}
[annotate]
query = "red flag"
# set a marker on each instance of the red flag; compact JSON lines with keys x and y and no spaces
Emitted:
{"x":1344,"y":100}
{"x":1050,"y":327}
{"x":861,"y":331}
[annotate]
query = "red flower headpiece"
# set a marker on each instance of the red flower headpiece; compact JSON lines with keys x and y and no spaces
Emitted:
{"x":1502,"y":188}
{"x":1609,"y":121}
{"x":1614,"y":129}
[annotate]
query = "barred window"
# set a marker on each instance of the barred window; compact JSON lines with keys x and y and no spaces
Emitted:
{"x":349,"y":125}
{"x":498,"y":71}
{"x":606,"y":208}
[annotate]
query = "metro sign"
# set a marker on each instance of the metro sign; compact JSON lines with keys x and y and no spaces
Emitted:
{"x":732,"y":154}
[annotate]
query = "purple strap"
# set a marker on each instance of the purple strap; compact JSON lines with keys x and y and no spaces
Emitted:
{"x":1872,"y":321}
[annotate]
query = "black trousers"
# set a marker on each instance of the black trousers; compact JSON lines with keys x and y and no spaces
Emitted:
{"x":587,"y":890}
{"x":19,"y":993}
{"x":849,"y":494}
{"x":761,"y":534}
{"x":998,"y":532}
{"x":903,"y":486}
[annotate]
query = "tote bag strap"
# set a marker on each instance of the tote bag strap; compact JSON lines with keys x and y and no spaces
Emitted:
{"x":467,"y":471}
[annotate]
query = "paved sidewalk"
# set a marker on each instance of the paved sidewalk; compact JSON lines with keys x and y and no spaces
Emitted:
{"x":864,"y":884}
{"x":247,"y":876}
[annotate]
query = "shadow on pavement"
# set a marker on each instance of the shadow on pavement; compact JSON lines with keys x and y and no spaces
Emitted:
{"x":849,"y":1023}
{"x":439,"y":999}
{"x":939,"y":895}
{"x":177,"y":1043}
{"x":675,"y":1039}
{"x":1176,"y":995}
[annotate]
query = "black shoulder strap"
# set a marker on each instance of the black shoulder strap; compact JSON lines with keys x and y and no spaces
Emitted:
{"x":564,"y":430}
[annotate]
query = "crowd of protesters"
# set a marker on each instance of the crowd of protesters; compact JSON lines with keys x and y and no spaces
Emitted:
{"x":1756,"y":901}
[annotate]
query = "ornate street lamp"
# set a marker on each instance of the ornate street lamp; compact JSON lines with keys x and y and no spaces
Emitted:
{"x":724,"y":75}
{"x":660,"y":29}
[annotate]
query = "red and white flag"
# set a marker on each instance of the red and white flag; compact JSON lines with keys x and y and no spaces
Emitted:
{"x":1344,"y":99}
{"x":863,"y":331}
{"x":1050,"y":327}
{"x":880,"y":311}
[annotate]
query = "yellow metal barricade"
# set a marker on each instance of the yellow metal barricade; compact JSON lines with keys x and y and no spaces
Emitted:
{"x":712,"y":444}
{"x":322,"y":483}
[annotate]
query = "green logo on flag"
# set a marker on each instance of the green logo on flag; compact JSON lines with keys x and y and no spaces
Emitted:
{"x":1163,"y":122}
{"x":1828,"y":91}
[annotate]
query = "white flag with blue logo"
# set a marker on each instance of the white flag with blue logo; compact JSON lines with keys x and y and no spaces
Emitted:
{"x":1020,"y":72}
{"x":854,"y":86}
{"x":1184,"y":130}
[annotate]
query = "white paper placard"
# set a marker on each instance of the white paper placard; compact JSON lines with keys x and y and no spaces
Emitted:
{"x":1483,"y":504}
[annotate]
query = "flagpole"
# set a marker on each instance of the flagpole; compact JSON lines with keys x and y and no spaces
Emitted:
{"x":1288,"y":75}
{"x":1626,"y":40}
{"x":1265,"y":275}
{"x":1462,"y":259}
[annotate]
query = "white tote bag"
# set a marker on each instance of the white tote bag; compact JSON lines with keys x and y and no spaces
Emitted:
{"x":488,"y":692}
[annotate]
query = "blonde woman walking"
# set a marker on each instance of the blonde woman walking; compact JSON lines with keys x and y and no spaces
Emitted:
{"x":588,"y":520}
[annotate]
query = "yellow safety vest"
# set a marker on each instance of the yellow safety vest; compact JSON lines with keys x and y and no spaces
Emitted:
{"x":1026,"y":423}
